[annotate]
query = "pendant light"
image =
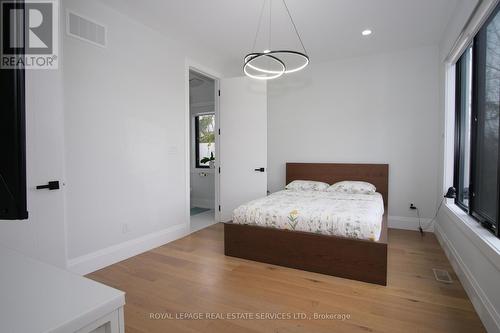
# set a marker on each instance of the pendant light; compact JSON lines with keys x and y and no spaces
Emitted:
{"x":271,"y":64}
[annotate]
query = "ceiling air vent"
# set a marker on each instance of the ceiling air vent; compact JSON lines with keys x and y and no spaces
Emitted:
{"x":85,"y":29}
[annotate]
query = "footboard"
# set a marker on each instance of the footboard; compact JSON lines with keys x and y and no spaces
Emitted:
{"x":355,"y":259}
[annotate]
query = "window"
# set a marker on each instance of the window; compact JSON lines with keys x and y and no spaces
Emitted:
{"x":486,"y":104}
{"x":477,"y":125}
{"x":463,"y":128}
{"x":13,"y":205}
{"x":204,"y":140}
{"x":13,"y":202}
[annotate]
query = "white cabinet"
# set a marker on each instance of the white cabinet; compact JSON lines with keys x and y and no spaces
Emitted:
{"x":37,"y":297}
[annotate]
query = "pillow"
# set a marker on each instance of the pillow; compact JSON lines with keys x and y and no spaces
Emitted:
{"x":307,"y":185}
{"x":353,"y":187}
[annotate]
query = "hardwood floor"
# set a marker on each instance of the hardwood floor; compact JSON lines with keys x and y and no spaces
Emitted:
{"x":192,"y":276}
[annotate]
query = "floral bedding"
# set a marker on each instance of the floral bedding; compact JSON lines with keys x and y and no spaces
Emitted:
{"x":328,"y":213}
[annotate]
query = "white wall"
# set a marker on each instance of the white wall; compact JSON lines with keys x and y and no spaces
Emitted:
{"x":475,"y":262}
{"x":377,"y":109}
{"x":126,"y":131}
{"x":460,"y":16}
{"x":202,"y":100}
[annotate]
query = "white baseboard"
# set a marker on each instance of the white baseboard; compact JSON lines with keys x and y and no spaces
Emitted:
{"x":486,"y":311}
{"x":96,"y":260}
{"x":409,"y":223}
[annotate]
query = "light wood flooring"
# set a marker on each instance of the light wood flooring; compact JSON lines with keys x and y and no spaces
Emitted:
{"x":192,"y":276}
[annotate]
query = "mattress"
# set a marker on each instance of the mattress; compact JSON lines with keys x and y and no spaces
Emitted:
{"x":328,"y":213}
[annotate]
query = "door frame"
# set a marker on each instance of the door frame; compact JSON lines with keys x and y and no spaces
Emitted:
{"x":191,"y":65}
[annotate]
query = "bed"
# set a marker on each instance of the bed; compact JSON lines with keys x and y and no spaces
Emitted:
{"x":264,"y":230}
{"x":328,"y":213}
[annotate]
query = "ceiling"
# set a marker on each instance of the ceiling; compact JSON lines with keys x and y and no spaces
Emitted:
{"x":330,"y":29}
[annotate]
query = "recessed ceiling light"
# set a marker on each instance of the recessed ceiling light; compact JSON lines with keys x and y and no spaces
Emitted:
{"x":367,"y":32}
{"x":267,"y":51}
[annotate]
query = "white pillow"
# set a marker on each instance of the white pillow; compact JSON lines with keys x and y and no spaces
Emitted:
{"x":307,"y":185}
{"x":353,"y":187}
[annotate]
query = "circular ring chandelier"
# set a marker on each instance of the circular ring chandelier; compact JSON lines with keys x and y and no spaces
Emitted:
{"x":249,"y":58}
{"x":277,"y":73}
{"x":265,"y":71}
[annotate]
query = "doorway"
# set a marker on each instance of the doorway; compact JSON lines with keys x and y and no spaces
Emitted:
{"x":203,"y":150}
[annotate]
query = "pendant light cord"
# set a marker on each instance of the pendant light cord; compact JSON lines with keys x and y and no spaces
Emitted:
{"x":258,"y":27}
{"x":270,"y":23}
{"x":294,"y":27}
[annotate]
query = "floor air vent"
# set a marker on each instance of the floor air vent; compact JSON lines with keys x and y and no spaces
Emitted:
{"x":85,"y":29}
{"x":442,"y":275}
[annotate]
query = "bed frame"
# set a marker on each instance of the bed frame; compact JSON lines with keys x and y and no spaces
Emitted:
{"x":349,"y":258}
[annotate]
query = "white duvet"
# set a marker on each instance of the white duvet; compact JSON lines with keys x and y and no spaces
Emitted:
{"x":328,"y":213}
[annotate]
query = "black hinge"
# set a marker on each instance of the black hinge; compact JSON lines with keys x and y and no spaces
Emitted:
{"x":219,"y":92}
{"x":219,"y":208}
{"x":219,"y":131}
{"x":219,"y":169}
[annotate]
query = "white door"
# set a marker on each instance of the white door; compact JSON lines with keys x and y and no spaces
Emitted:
{"x":243,"y":142}
{"x":42,"y":235}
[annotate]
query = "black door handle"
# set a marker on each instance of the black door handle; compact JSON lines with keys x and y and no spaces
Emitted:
{"x":54,"y":185}
{"x":260,"y":170}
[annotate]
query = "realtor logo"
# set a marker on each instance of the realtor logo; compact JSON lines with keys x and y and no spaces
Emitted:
{"x":29,"y":37}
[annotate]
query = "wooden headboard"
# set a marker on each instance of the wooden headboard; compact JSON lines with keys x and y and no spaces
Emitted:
{"x":377,"y":174}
